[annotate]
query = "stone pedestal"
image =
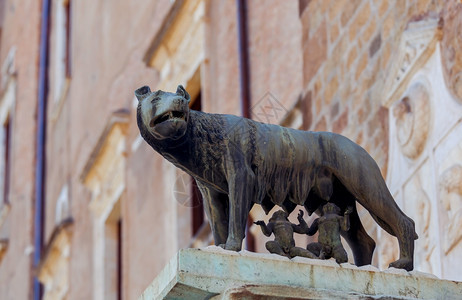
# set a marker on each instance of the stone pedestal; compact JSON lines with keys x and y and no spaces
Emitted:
{"x":214,"y":273}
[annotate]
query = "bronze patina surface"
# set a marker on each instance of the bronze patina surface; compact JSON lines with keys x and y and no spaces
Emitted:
{"x":238,"y":162}
{"x":330,"y":225}
{"x":283,"y":230}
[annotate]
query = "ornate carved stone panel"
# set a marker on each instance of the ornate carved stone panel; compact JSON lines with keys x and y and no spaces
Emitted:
{"x":448,"y":171}
{"x":450,"y":196}
{"x":451,"y":45}
{"x":417,"y":44}
{"x":425,"y":153}
{"x":412,"y":118}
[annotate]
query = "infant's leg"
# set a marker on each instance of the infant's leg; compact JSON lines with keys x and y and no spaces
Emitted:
{"x":274,"y":247}
{"x":340,"y":254}
{"x":314,"y":248}
{"x":297,"y":251}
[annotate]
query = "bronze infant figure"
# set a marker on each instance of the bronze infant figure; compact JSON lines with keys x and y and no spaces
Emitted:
{"x":237,"y":162}
{"x":330,"y":225}
{"x":283,"y":230}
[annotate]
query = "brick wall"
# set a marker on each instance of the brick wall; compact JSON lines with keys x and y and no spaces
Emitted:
{"x":348,"y":46}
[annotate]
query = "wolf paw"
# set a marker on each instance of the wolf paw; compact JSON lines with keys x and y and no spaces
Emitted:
{"x":403,"y":263}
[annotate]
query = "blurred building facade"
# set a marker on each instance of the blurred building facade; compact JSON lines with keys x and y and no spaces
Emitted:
{"x":386,"y":74}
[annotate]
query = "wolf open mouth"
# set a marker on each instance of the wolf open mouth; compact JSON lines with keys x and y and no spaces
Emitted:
{"x":168,"y":116}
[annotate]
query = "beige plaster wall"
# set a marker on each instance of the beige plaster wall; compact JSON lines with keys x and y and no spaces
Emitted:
{"x":15,"y":268}
{"x":327,"y":58}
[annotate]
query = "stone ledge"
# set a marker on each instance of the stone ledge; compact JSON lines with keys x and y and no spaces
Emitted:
{"x":214,"y":273}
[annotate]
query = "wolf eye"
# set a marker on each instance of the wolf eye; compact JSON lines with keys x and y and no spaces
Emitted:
{"x":155,"y":99}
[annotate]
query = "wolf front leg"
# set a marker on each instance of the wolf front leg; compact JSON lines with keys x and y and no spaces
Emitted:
{"x":241,"y":185}
{"x":216,"y":208}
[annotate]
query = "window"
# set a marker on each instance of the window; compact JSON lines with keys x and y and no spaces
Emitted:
{"x":5,"y":139}
{"x":177,"y":52}
{"x":7,"y":101}
{"x":113,"y":254}
{"x":104,"y":175}
{"x":62,"y":49}
{"x":6,"y":122}
{"x":197,"y":208}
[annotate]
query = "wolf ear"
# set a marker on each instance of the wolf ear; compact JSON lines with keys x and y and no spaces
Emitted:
{"x":142,"y":92}
{"x":182,"y":92}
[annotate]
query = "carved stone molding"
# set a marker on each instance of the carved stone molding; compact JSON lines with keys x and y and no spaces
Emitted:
{"x":104,"y":172}
{"x":451,"y":201}
{"x":7,"y":106}
{"x":3,"y":248}
{"x":417,"y":45}
{"x":62,"y":208}
{"x":8,"y":69}
{"x":425,"y":144}
{"x":53,"y":270}
{"x":177,"y":50}
{"x":451,"y":45}
{"x":423,"y":115}
{"x":412,"y":116}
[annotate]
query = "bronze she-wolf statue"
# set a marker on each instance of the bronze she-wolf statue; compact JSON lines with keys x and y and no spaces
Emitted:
{"x":238,"y":162}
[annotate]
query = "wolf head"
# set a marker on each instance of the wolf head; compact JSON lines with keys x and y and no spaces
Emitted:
{"x":163,"y":115}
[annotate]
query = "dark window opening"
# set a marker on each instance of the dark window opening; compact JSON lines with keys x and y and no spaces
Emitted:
{"x":197,"y":210}
{"x":119,"y":259}
{"x":6,"y":158}
{"x":113,"y":260}
{"x":68,"y":14}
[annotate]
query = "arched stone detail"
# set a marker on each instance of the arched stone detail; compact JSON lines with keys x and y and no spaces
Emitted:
{"x":412,"y":116}
{"x":451,"y":201}
{"x":419,"y":155}
{"x":451,"y":45}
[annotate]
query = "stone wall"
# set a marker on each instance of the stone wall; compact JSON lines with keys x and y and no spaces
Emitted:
{"x":348,"y":47}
